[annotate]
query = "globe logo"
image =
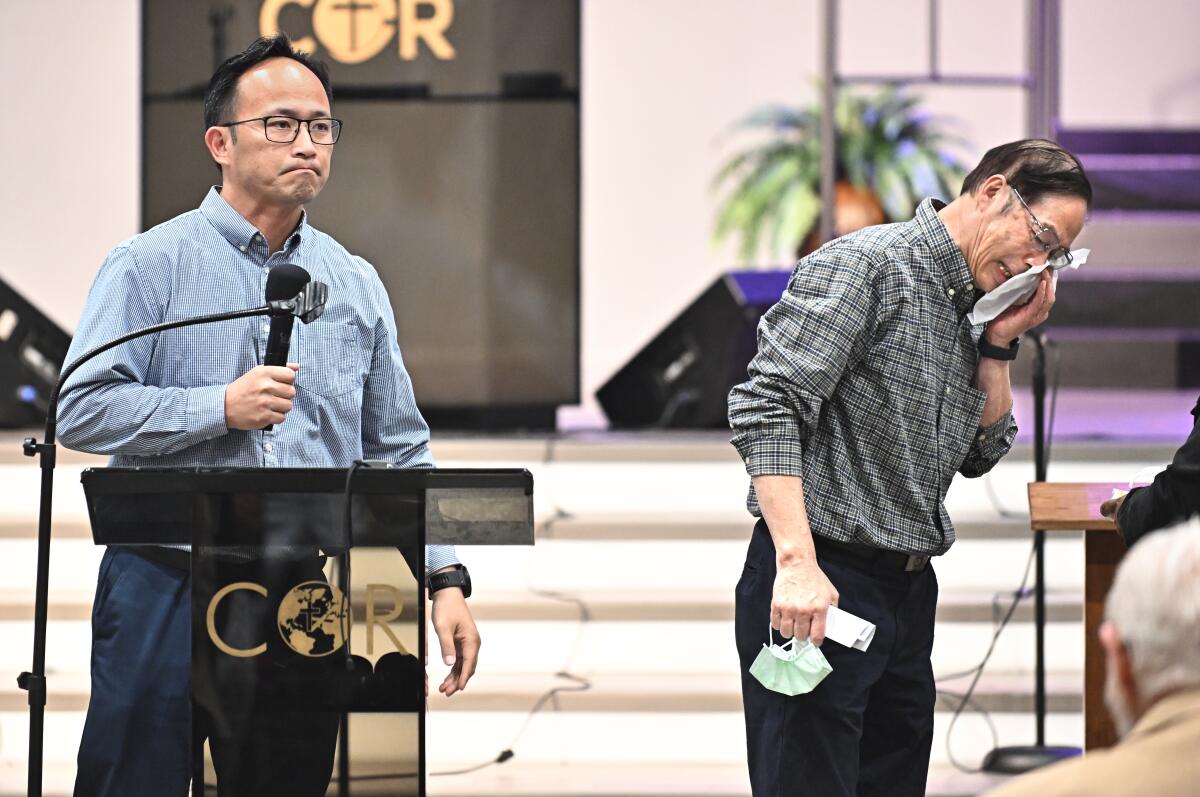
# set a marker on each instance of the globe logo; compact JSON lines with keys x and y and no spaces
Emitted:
{"x":312,"y":618}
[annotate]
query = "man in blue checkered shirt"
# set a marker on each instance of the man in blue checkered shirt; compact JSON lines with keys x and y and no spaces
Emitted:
{"x":199,"y":396}
{"x":869,"y":392}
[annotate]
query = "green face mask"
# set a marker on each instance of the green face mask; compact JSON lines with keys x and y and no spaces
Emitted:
{"x":794,"y":668}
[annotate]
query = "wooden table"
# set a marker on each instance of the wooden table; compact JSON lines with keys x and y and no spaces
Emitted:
{"x":1075,"y":507}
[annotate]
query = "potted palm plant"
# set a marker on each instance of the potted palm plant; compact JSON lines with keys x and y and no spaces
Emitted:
{"x":890,"y":156}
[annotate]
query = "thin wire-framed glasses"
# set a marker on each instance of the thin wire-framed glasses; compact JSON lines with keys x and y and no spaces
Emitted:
{"x":1057,"y":255}
{"x":285,"y":129}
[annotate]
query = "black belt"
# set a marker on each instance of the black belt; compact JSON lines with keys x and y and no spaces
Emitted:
{"x":171,"y":557}
{"x":892,"y":560}
{"x":182,"y":560}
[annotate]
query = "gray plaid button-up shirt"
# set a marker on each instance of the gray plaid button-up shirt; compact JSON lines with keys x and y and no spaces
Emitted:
{"x":863,"y":386}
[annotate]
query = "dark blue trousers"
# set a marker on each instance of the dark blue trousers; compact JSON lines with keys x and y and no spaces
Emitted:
{"x":867,"y":729}
{"x":138,"y":736}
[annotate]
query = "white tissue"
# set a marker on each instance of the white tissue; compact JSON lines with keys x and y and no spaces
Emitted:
{"x":1017,"y":290}
{"x":846,"y":629}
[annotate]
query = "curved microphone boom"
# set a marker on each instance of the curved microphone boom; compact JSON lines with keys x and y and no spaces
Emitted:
{"x":306,"y":302}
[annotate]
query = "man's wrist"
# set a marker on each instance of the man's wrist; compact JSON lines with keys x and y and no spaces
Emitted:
{"x":453,"y":577}
{"x":1005,"y":350}
{"x":794,"y":556}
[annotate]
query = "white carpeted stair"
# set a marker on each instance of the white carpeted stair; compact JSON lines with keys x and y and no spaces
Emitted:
{"x":649,"y":532}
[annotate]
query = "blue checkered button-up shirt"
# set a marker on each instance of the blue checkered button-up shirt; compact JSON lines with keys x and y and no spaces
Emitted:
{"x":159,"y":401}
{"x":863,"y":386}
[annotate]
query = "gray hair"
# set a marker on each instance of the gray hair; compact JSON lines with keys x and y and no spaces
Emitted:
{"x":1155,"y":606}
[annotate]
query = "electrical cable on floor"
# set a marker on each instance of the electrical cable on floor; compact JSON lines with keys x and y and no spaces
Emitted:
{"x":578,"y":682}
{"x":977,"y":672}
{"x":581,"y":684}
{"x":965,"y":700}
{"x":1021,"y":592}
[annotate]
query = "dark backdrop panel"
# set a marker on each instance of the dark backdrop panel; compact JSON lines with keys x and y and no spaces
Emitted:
{"x":468,"y":212}
{"x":466,"y":200}
{"x":479,"y":257}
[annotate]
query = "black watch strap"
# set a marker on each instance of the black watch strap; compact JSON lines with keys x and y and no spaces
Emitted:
{"x":457,"y":577}
{"x":998,"y":352}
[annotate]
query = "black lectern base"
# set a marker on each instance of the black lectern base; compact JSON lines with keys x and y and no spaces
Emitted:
{"x":1018,"y":759}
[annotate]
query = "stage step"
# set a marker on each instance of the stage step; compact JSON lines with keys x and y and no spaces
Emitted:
{"x":960,"y":606}
{"x":1114,"y":357}
{"x":626,"y":738}
{"x":518,"y":778}
{"x":1125,"y":326}
{"x":687,"y":692}
{"x":1139,"y":169}
{"x":650,"y":532}
{"x":1125,"y":239}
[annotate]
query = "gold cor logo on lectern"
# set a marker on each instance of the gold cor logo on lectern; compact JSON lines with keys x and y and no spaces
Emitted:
{"x":353,"y":31}
{"x":313,"y":618}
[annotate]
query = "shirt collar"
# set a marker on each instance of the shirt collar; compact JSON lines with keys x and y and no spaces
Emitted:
{"x":1167,"y":711}
{"x":241,"y":233}
{"x":951,"y":265}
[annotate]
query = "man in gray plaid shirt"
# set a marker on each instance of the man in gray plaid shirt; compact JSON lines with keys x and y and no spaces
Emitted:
{"x":869,"y":392}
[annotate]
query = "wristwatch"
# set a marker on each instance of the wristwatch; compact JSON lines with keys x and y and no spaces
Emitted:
{"x":458,"y":577}
{"x":997,"y":352}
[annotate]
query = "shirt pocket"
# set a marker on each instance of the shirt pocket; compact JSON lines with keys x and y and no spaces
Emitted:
{"x":332,"y":359}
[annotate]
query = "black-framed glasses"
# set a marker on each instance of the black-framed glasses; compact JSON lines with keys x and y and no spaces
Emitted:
{"x":285,"y":129}
{"x":1057,"y":255}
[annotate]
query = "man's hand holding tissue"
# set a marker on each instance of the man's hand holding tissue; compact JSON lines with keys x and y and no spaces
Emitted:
{"x":801,"y":598}
{"x":1020,"y":318}
{"x":802,"y":594}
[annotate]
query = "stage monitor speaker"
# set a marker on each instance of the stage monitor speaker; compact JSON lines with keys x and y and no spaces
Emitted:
{"x":682,"y":377}
{"x":32,"y":350}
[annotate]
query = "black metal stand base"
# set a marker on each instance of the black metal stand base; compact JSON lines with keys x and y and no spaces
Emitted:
{"x":1018,"y":759}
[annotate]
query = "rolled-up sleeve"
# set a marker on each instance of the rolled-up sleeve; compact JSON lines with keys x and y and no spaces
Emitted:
{"x":806,"y":341}
{"x":991,"y":443}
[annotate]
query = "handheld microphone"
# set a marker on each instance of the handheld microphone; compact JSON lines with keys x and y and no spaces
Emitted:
{"x":283,"y":282}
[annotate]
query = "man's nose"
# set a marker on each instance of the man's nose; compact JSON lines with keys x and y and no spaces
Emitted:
{"x":1036,"y":255}
{"x":304,"y":142}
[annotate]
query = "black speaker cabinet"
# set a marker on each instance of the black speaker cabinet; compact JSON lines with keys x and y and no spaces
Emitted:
{"x":32,"y":350}
{"x":681,"y":378}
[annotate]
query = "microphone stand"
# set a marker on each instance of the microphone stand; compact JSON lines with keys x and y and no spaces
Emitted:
{"x":1016,"y":759}
{"x":307,"y":305}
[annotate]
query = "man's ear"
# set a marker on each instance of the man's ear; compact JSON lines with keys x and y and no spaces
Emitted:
{"x":219,"y":141}
{"x":989,"y":190}
{"x":1118,"y":661}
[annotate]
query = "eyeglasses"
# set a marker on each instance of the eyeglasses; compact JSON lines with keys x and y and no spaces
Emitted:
{"x":285,"y":129}
{"x":1057,"y":255}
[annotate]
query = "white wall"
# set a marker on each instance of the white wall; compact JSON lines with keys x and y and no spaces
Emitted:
{"x":663,"y":79}
{"x":1131,"y":64}
{"x":69,"y":155}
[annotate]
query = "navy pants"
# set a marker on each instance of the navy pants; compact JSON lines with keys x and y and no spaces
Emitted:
{"x":867,"y":729}
{"x":138,"y":736}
